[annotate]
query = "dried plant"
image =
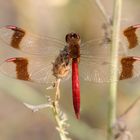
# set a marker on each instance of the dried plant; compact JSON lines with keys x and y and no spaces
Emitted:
{"x":60,"y":117}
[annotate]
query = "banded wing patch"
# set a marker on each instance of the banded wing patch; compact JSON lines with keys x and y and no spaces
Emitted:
{"x":132,"y":34}
{"x":21,"y":68}
{"x":130,"y":67}
{"x":127,"y":67}
{"x":20,"y":39}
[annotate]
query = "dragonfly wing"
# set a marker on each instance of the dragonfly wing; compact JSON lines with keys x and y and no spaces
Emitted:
{"x":98,"y":71}
{"x":95,"y":62}
{"x":37,"y":70}
{"x":93,"y":48}
{"x":100,"y":47}
{"x":95,"y":71}
{"x":32,"y":44}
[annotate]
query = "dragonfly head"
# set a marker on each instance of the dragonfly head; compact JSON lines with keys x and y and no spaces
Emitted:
{"x":73,"y":38}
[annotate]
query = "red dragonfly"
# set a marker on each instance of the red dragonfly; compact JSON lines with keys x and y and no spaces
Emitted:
{"x":48,"y":59}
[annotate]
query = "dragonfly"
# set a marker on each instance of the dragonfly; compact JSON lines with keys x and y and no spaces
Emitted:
{"x":48,"y":59}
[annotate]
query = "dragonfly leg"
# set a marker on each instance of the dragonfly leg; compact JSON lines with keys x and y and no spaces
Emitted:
{"x":56,"y":85}
{"x":52,"y":86}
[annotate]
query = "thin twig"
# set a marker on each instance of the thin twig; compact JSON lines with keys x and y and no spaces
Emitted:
{"x":129,"y":108}
{"x":114,"y":67}
{"x":103,"y":11}
{"x":120,"y":127}
{"x":107,"y":25}
{"x":36,"y":108}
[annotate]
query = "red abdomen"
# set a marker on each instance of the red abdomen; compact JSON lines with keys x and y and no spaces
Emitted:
{"x":76,"y":87}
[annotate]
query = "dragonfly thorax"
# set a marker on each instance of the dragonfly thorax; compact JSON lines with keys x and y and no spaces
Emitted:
{"x":61,"y":66}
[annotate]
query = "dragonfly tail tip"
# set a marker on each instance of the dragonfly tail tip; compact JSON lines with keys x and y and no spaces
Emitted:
{"x":78,"y":115}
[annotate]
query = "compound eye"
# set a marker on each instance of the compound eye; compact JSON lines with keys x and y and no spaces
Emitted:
{"x":75,"y":35}
{"x":67,"y":37}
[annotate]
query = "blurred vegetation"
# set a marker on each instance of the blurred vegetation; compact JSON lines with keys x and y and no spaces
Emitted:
{"x":56,"y":18}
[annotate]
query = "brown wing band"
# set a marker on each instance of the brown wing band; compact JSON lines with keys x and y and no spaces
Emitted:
{"x":131,"y":36}
{"x":22,"y":68}
{"x":17,"y":37}
{"x":127,"y":67}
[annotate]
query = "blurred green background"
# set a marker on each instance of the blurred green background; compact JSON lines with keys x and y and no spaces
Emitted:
{"x":56,"y":18}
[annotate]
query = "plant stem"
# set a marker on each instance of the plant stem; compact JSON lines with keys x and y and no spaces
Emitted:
{"x":60,"y":122}
{"x":114,"y":67}
{"x":60,"y":117}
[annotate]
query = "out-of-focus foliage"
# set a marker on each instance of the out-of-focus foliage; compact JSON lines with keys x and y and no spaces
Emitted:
{"x":56,"y":18}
